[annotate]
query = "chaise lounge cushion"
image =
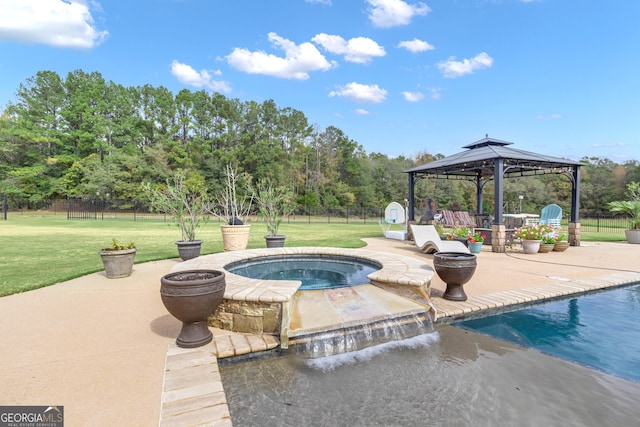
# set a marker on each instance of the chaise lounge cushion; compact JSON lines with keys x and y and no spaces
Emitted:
{"x":465,"y":219}
{"x":457,"y":218}
{"x":428,"y":241}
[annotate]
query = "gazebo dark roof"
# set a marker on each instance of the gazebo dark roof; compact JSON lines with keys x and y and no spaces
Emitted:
{"x":480,"y":158}
{"x":493,"y":159}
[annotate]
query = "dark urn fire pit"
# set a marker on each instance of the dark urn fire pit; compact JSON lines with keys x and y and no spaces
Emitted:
{"x":455,"y":269}
{"x":192,"y":296}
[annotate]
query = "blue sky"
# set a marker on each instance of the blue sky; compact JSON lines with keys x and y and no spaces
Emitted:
{"x":399,"y":77}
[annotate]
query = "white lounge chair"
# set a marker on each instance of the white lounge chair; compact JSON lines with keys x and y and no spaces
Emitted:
{"x":428,"y":240}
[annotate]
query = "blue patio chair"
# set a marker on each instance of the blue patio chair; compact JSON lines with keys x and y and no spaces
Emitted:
{"x":552,"y":215}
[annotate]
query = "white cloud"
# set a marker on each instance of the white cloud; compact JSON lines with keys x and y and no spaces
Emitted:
{"x":413,"y":96}
{"x":298,"y":61}
{"x":187,"y":75}
{"x":416,"y":45}
{"x":55,"y":22}
{"x":452,"y":68}
{"x":551,"y":117}
{"x":360,"y":50}
{"x":362,"y":112}
{"x":392,"y":13}
{"x":360,"y":93}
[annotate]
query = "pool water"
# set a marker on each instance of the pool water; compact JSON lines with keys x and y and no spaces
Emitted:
{"x":452,"y":377}
{"x":314,"y":271}
{"x":600,"y":330}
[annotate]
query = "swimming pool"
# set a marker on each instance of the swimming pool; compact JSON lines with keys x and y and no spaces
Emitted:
{"x":600,"y":330}
{"x":314,"y":271}
{"x":454,"y":377}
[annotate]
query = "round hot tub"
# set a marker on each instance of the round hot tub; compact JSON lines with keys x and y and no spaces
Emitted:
{"x":314,"y":271}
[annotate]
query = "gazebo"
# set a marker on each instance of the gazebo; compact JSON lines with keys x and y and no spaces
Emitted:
{"x":492,"y":159}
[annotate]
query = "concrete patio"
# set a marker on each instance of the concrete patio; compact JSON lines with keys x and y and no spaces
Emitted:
{"x":104,"y":349}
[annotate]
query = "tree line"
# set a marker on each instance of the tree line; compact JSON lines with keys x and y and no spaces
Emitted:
{"x":85,"y":136}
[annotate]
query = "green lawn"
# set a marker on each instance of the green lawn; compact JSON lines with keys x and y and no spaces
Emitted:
{"x":40,"y":249}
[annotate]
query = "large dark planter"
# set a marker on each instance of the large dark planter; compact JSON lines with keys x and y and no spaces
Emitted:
{"x":118,"y":264}
{"x":455,"y":269}
{"x":189,"y":249}
{"x":275,"y":241}
{"x":192,"y":296}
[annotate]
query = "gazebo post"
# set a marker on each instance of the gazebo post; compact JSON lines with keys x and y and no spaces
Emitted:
{"x":498,"y":229}
{"x":574,"y":220}
{"x":411,"y":216}
{"x":479,"y":193}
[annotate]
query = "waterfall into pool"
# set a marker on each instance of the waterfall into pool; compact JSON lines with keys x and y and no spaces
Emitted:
{"x":342,"y":339}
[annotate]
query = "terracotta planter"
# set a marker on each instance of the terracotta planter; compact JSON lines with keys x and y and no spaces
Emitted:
{"x":118,"y":264}
{"x":189,"y":250}
{"x":192,"y":296}
{"x":455,"y":269}
{"x":235,"y":237}
{"x":275,"y":241}
{"x":561,"y":246}
{"x":531,"y":246}
{"x":546,"y":247}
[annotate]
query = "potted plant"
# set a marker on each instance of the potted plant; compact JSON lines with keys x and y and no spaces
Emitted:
{"x":460,"y":234}
{"x":185,"y":199}
{"x":274,"y":202}
{"x":475,"y":242}
{"x":118,"y":259}
{"x":233,"y":206}
{"x":631,"y":208}
{"x":561,"y":243}
{"x":547,"y":243}
{"x":531,"y":236}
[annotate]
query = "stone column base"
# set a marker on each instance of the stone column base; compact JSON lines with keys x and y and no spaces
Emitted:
{"x":498,"y":238}
{"x":574,"y":234}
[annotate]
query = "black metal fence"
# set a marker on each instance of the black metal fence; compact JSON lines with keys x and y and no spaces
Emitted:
{"x":110,"y":209}
{"x":96,"y":209}
{"x":82,"y":208}
{"x":85,"y":208}
{"x":602,"y":223}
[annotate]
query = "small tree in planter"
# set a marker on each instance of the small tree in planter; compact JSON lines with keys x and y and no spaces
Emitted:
{"x":233,"y":206}
{"x":274,"y":203}
{"x":631,"y":208}
{"x":185,"y":199}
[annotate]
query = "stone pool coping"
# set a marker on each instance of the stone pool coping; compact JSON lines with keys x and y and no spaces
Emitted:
{"x":404,"y":275}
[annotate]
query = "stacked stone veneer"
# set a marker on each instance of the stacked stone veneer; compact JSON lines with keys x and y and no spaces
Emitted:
{"x":574,"y":233}
{"x":265,"y":306}
{"x":498,"y":238}
{"x":248,"y":316}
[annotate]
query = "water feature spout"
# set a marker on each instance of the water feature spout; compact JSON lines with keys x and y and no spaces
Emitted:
{"x":358,"y":336}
